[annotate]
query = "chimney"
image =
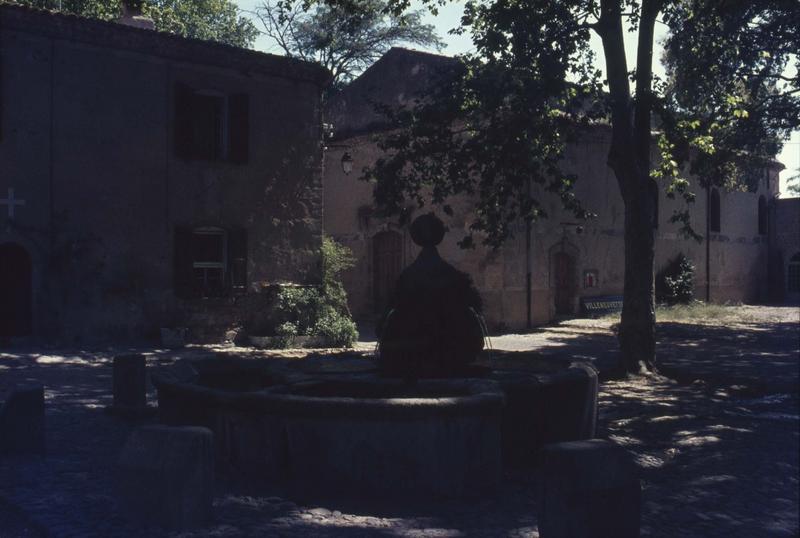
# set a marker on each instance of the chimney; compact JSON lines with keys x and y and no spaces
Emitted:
{"x":132,"y":15}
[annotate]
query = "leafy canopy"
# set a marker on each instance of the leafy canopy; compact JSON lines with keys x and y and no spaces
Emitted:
{"x":505,"y":116}
{"x":344,"y":39}
{"x":210,"y":20}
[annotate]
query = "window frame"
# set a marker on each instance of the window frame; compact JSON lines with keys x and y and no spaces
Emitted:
{"x":231,"y":142}
{"x":207,"y":266}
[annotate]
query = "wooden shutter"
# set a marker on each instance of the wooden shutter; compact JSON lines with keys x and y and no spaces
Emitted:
{"x":237,"y":259}
{"x":182,"y":127}
{"x":239,"y":127}
{"x":183,"y":276}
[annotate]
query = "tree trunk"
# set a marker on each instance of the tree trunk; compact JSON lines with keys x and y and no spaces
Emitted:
{"x":629,"y":157}
{"x":637,"y":337}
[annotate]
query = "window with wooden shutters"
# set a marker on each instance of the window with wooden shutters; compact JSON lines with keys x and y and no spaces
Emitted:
{"x":211,"y":126}
{"x":209,"y":262}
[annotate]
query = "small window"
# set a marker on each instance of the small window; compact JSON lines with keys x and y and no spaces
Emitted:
{"x":714,"y":211}
{"x":210,"y":262}
{"x":793,"y":274}
{"x":211,"y":126}
{"x":762,"y":215}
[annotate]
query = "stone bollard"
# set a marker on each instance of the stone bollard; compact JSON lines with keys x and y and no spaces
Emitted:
{"x":130,"y":387}
{"x":22,"y":422}
{"x":589,"y":489}
{"x":166,"y":477}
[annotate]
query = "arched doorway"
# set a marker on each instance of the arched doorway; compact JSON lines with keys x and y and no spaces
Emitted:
{"x":564,"y":276}
{"x":16,"y":305}
{"x":387,"y":262}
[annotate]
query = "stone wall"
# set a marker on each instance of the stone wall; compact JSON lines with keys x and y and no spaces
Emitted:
{"x":88,"y":140}
{"x":785,"y":237}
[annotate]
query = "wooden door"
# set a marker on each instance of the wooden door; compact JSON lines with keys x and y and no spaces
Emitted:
{"x":387,"y":262}
{"x":15,"y":291}
{"x":564,"y":266}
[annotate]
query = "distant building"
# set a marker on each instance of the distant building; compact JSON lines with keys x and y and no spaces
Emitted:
{"x":545,"y":273}
{"x":148,"y":180}
{"x":785,"y":255}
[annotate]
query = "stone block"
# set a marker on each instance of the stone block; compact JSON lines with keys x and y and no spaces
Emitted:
{"x":544,"y":407}
{"x":165,"y":477}
{"x":589,"y":489}
{"x":22,"y":422}
{"x":130,"y":382}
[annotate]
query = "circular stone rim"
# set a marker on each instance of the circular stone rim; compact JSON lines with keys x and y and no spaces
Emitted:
{"x":481,"y":396}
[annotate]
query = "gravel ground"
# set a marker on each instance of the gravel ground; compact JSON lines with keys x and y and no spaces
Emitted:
{"x":718,"y":450}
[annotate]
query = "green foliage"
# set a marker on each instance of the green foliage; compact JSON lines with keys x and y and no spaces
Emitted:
{"x":211,"y":20}
{"x":336,"y":328}
{"x":675,"y":282}
{"x":319,"y":311}
{"x":284,"y":334}
{"x":496,"y":125}
{"x":728,"y":102}
{"x":346,"y":39}
{"x":793,"y":184}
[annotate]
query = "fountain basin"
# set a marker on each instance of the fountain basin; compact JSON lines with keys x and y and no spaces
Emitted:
{"x":347,"y":435}
{"x":384,"y":438}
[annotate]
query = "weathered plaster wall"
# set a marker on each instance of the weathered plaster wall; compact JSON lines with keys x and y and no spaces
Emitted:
{"x":738,"y":254}
{"x":88,"y":142}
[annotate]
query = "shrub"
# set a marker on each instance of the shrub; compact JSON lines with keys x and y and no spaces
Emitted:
{"x":335,"y":328}
{"x":319,"y":311}
{"x":675,"y":282}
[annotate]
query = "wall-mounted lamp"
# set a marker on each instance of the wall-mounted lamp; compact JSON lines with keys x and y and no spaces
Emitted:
{"x":347,"y":159}
{"x":347,"y":163}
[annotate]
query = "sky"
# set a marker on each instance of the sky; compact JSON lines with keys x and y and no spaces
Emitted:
{"x":449,"y":16}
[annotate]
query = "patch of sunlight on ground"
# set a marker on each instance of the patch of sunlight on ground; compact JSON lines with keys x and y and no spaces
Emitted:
{"x":648,"y":461}
{"x":715,"y":479}
{"x":698,"y":440}
{"x":624,"y":441}
{"x":723,"y":427}
{"x":664,"y":418}
{"x":62,"y":359}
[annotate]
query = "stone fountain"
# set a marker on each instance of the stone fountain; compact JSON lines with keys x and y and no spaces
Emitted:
{"x":429,"y":416}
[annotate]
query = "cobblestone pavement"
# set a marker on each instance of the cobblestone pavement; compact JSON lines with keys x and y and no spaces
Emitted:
{"x":719,"y":457}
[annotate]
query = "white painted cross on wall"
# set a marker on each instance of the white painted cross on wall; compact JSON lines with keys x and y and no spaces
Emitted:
{"x":11,"y":202}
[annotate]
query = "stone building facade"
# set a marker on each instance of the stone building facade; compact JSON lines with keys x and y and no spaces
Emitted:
{"x":785,"y":255}
{"x":148,"y":180}
{"x":542,"y":273}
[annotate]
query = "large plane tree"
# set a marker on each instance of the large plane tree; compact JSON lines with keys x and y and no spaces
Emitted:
{"x":503,"y":119}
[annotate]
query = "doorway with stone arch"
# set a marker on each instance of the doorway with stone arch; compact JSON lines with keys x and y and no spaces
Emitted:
{"x":563,"y":278}
{"x":387,"y":263}
{"x":16,"y":291}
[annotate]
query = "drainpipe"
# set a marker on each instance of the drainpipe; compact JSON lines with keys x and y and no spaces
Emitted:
{"x":708,"y":243}
{"x":528,"y":285}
